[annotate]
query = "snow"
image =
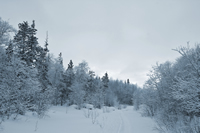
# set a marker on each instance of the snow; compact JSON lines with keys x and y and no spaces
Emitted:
{"x":70,"y":120}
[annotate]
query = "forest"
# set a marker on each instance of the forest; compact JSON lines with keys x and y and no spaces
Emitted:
{"x":32,"y":79}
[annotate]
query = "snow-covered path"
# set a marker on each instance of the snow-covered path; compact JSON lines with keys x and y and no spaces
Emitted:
{"x":132,"y":122}
{"x":82,"y":121}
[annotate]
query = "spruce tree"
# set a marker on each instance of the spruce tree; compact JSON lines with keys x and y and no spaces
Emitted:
{"x":32,"y":49}
{"x":105,"y":82}
{"x":21,"y":39}
{"x":59,"y":81}
{"x":70,"y":65}
{"x":27,"y":44}
{"x":60,"y":59}
{"x":9,"y":51}
{"x":90,"y":87}
{"x":34,"y":57}
{"x":69,"y":78}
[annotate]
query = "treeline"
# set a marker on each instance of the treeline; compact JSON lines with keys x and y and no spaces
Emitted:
{"x":31,"y":79}
{"x":171,"y":95}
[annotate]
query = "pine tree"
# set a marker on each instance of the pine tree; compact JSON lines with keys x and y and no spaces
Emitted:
{"x":91,"y":81}
{"x":42,"y":100}
{"x":69,"y":78}
{"x":27,"y":44}
{"x":58,"y":82}
{"x":90,"y":87}
{"x":128,"y":82}
{"x":34,"y":58}
{"x":60,"y":59}
{"x":9,"y":51}
{"x":105,"y":82}
{"x":43,"y":67}
{"x":32,"y":49}
{"x":70,"y":65}
{"x":98,"y":100}
{"x":21,"y":39}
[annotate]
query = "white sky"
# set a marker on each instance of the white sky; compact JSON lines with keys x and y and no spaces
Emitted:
{"x":123,"y":37}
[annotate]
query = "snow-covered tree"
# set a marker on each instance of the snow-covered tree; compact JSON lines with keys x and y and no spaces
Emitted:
{"x":90,"y":87}
{"x":172,"y":92}
{"x":105,"y":81}
{"x":26,"y":43}
{"x":78,"y":88}
{"x":68,"y":79}
{"x":98,"y":99}
{"x":43,"y":67}
{"x":58,"y":80}
{"x":5,"y":32}
{"x":186,"y":87}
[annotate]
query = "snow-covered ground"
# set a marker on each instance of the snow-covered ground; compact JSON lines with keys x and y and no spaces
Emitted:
{"x":70,"y":120}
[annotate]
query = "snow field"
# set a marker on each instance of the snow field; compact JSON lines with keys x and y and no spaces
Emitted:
{"x":70,"y":120}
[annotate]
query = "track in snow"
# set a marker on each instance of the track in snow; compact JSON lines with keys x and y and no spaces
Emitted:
{"x":74,"y":121}
{"x":132,"y":122}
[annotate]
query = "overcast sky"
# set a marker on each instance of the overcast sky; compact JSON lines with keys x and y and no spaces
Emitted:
{"x":122,"y":37}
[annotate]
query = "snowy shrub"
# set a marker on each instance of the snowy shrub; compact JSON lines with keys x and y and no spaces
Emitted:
{"x":94,"y":116}
{"x":115,"y":102}
{"x":98,"y":98}
{"x":149,"y":102}
{"x":77,"y":96}
{"x":177,"y":124}
{"x":87,"y":113}
{"x":106,"y":109}
{"x":91,"y":113}
{"x":137,"y":99}
{"x":42,"y":103}
{"x":172,"y":93}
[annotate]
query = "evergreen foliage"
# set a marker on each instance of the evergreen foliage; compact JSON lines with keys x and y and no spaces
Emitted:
{"x":31,"y":79}
{"x":68,"y":79}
